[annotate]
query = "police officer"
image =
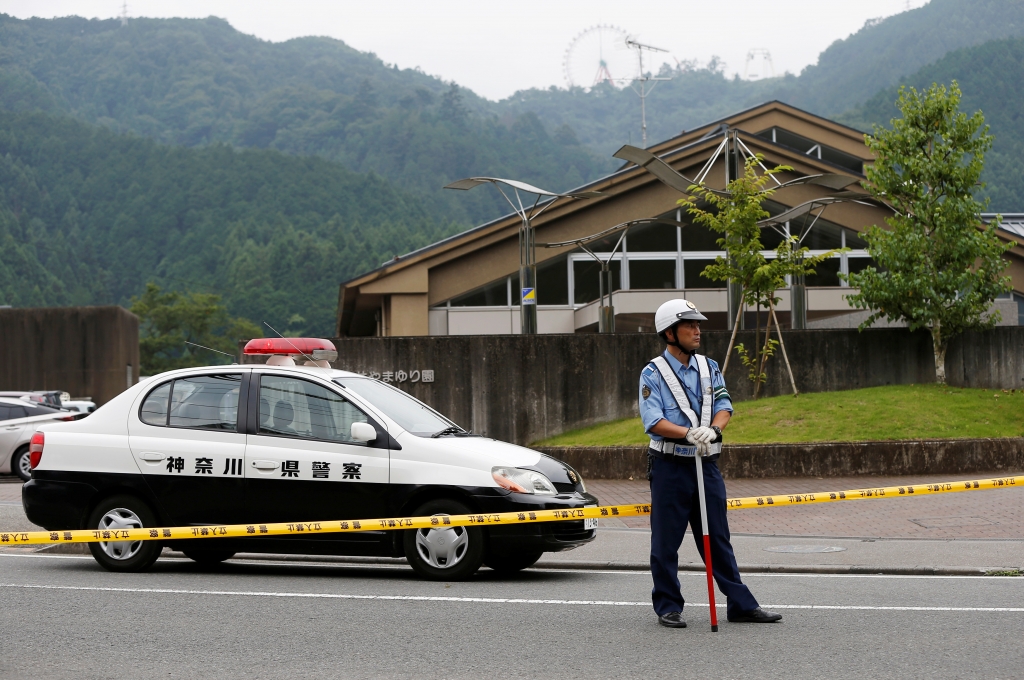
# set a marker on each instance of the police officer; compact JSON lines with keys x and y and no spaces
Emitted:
{"x":685,"y":406}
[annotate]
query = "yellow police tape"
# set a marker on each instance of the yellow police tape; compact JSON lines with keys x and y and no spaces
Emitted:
{"x":505,"y":518}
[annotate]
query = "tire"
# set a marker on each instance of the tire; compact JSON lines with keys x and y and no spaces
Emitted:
{"x":124,"y":556}
{"x":447,"y":554}
{"x":209,"y":556}
{"x":511,"y":564}
{"x":20,"y":464}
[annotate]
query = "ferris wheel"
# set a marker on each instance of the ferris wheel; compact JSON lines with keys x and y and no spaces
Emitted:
{"x":600,"y":54}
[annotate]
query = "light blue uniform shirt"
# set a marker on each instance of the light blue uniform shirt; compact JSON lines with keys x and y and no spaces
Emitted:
{"x":659,"y":402}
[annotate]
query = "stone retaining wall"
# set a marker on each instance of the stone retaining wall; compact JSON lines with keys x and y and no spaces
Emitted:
{"x":524,"y":389}
{"x":823,"y":459}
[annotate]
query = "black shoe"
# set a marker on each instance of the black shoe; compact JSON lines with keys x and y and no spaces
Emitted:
{"x":756,"y":616}
{"x":672,"y":620}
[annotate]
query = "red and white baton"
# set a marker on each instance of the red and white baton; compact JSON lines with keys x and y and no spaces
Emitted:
{"x":707,"y":542}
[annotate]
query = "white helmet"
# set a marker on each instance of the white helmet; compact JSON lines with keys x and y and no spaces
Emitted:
{"x":674,"y":311}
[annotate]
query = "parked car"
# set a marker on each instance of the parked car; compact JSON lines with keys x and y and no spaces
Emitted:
{"x":80,"y":405}
{"x":281,"y":443}
{"x":51,"y":398}
{"x":18,"y":422}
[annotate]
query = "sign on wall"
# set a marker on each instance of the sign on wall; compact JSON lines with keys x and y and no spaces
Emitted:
{"x":425,"y":375}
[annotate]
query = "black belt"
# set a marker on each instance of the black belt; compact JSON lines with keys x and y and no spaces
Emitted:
{"x":665,"y":456}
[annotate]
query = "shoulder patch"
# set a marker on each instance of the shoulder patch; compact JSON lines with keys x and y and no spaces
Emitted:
{"x":646,"y":391}
{"x":649,"y":370}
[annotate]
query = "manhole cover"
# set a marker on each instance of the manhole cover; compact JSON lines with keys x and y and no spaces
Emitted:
{"x":804,"y":548}
{"x":940,"y":522}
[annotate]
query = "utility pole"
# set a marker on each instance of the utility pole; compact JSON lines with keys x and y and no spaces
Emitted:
{"x":643,"y":79}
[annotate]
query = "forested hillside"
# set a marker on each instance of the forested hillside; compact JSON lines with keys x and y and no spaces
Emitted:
{"x":88,"y":216}
{"x":195,"y":82}
{"x":989,"y":76}
{"x":847,"y":73}
{"x":186,"y":153}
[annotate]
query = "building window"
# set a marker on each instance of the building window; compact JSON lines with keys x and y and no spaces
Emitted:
{"x":552,"y":282}
{"x":692,"y":278}
{"x":647,"y":274}
{"x":812,"y":148}
{"x":586,"y":273}
{"x":826,"y":274}
{"x":823,"y":236}
{"x":494,"y":294}
{"x":698,"y":238}
{"x":653,"y":238}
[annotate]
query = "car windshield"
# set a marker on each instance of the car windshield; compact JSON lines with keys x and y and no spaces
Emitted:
{"x":411,"y":414}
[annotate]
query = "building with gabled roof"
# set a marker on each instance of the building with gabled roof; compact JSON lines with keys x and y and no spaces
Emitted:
{"x":468,"y":284}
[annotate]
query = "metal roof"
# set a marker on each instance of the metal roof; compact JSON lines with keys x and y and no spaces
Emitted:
{"x":1012,"y":222}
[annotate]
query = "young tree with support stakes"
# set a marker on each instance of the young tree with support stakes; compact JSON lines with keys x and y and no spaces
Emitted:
{"x":940,"y":266}
{"x":735,"y":214}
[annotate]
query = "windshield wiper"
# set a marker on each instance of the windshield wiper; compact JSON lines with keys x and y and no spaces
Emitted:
{"x":454,"y":429}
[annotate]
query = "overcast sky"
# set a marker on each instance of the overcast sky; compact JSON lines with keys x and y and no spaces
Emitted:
{"x":494,"y":51}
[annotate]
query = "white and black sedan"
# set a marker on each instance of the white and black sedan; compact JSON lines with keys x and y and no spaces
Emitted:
{"x":281,"y":442}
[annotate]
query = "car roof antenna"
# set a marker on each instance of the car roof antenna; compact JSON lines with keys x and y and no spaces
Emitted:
{"x":196,"y":344}
{"x":308,"y":358}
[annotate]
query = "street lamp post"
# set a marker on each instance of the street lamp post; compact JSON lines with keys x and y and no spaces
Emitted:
{"x":606,"y":313}
{"x":527,"y":252}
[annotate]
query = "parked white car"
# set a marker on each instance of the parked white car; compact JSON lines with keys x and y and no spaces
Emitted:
{"x":279,"y":442}
{"x":80,"y":405}
{"x":18,"y":421}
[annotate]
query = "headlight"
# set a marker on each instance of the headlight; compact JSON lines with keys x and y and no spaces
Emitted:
{"x":523,"y":481}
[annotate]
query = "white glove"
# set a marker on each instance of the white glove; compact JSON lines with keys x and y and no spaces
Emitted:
{"x":702,"y":434}
{"x":696,"y":436}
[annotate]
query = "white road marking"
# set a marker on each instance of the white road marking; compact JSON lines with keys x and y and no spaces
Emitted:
{"x":481,"y":600}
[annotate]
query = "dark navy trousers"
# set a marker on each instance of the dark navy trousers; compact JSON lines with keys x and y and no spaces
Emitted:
{"x":676,"y":502}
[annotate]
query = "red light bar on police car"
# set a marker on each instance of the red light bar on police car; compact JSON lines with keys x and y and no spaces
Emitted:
{"x":315,"y":348}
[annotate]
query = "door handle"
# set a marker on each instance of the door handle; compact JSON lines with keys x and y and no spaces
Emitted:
{"x":152,"y":457}
{"x":265,"y":464}
{"x":13,"y":427}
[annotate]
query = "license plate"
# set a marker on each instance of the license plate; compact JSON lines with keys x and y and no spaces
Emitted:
{"x":590,"y":523}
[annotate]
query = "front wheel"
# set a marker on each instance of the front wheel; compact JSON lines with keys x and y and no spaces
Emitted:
{"x":124,"y":512}
{"x":445,"y":553}
{"x":21,"y":464}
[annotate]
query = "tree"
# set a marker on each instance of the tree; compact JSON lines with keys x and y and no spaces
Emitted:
{"x":735,"y":214}
{"x":170,"y":320}
{"x":940,"y":266}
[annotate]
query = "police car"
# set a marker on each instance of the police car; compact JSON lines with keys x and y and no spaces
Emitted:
{"x":294,"y":440}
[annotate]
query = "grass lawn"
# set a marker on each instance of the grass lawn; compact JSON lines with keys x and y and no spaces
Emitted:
{"x":875,"y":413}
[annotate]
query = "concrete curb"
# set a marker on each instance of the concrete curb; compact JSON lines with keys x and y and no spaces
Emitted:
{"x":641,"y":566}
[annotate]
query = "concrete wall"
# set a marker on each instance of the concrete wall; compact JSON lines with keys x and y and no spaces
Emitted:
{"x":818,"y":459}
{"x":86,"y":351}
{"x":524,"y":389}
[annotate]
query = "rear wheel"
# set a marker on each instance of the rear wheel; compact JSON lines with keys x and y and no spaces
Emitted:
{"x":510,"y":564}
{"x":209,"y":556}
{"x":124,"y":512}
{"x":447,"y":553}
{"x":21,"y":465}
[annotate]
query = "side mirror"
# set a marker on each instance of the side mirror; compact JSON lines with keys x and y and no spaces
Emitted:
{"x":363,"y":432}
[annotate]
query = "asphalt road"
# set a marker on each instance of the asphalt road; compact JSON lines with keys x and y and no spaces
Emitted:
{"x":62,"y":616}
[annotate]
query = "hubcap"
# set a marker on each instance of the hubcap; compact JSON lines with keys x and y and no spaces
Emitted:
{"x":117,"y":519}
{"x":25,"y":465}
{"x":442,"y":548}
